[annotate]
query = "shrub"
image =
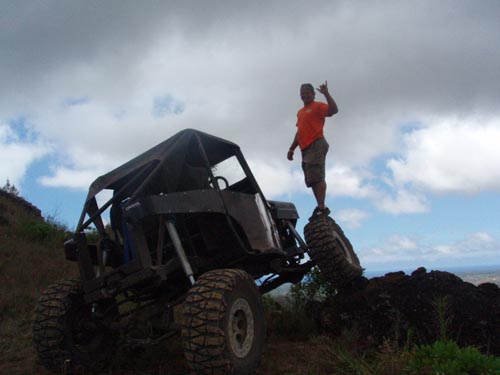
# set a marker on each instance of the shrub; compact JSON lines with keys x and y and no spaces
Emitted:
{"x":446,"y":357}
{"x":10,"y":188}
{"x":47,"y":232}
{"x":312,"y":288}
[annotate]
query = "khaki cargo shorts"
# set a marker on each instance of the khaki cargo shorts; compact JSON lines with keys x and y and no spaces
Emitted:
{"x":313,"y":161}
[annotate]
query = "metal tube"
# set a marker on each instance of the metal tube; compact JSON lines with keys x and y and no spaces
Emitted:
{"x":201,"y":149}
{"x":159,"y":247}
{"x":147,"y":180}
{"x":296,"y":235}
{"x":82,"y":217}
{"x":115,"y":197}
{"x":180,"y":250}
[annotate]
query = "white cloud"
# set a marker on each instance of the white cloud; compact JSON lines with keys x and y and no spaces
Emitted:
{"x":277,"y":179}
{"x":404,"y":201}
{"x":402,"y":243}
{"x":17,"y":154}
{"x":479,"y":242}
{"x":357,"y":183}
{"x":400,"y":251}
{"x":443,"y":249}
{"x":345,"y":181}
{"x":474,"y":245}
{"x":70,"y":178}
{"x":451,"y":156}
{"x":395,"y":248}
{"x":483,"y":237}
{"x":351,"y":218}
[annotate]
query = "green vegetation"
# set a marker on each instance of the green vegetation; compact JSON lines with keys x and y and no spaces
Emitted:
{"x":10,"y":188}
{"x":445,"y":357}
{"x":48,"y":232}
{"x":312,"y":288}
{"x":31,"y":258}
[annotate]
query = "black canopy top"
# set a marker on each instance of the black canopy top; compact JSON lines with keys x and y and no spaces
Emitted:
{"x":178,"y":159}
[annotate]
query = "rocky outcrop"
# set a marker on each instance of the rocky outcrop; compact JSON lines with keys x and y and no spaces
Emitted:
{"x":424,"y":306}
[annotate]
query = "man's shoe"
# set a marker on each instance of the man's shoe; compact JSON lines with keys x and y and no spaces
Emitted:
{"x":318,"y":212}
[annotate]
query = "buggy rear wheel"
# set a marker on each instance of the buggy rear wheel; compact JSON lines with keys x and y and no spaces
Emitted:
{"x":332,"y":252}
{"x":66,"y":334}
{"x":223,"y":328}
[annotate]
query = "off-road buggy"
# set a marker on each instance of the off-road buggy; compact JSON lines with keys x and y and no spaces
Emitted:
{"x":188,"y":224}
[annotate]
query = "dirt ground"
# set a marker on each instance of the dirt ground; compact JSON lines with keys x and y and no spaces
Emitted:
{"x":280,"y":357}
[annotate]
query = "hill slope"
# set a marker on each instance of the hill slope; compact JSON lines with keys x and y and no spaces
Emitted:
{"x":30,"y":259}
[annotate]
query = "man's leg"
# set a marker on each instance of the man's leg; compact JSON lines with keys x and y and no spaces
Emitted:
{"x":313,"y":163}
{"x":319,"y":190}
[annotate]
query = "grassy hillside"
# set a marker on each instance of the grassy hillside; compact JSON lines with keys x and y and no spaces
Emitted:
{"x":31,"y":258}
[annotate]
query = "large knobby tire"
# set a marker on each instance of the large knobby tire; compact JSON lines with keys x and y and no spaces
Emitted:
{"x":223,"y":327}
{"x":332,"y":252}
{"x":65,"y":336}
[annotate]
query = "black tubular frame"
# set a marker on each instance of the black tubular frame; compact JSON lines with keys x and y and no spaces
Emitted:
{"x":82,"y":225}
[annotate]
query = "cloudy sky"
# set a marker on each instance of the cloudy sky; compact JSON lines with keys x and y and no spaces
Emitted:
{"x":414,"y":166}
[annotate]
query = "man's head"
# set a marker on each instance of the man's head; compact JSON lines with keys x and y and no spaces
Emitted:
{"x":307,"y":93}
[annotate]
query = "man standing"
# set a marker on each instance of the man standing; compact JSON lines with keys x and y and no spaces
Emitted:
{"x":312,"y":143}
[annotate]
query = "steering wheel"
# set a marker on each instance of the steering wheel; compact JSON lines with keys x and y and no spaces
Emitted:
{"x":223,"y":179}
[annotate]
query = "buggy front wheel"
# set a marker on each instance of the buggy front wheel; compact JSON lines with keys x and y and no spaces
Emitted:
{"x":332,"y":252}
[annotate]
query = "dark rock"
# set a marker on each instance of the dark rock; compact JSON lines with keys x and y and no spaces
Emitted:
{"x":425,"y":305}
{"x":419,"y":271}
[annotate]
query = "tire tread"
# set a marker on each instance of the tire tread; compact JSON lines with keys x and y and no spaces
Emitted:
{"x":203,"y":339}
{"x":327,"y":253}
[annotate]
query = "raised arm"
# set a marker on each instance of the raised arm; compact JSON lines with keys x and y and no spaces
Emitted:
{"x":332,"y":106}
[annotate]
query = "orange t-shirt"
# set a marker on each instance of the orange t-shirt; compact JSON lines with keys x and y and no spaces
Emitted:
{"x":310,"y":123}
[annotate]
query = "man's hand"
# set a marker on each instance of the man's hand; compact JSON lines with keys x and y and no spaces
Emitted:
{"x":332,"y":106}
{"x":323,"y":88}
{"x":289,"y":156}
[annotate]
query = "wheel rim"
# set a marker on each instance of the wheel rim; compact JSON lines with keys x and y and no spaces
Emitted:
{"x":241,"y":328}
{"x":85,"y":333}
{"x":347,"y":253}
